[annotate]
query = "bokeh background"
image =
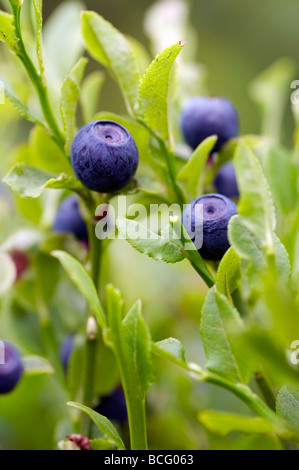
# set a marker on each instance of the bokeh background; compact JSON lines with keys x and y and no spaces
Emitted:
{"x":234,"y":41}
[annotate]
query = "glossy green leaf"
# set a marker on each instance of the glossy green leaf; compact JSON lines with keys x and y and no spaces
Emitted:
{"x":137,"y":346}
{"x":8,"y":32}
{"x":228,"y":273}
{"x":154,"y":92}
{"x":170,"y":349}
{"x":245,"y":243}
{"x":83,"y":282}
{"x":35,"y":365}
{"x":191,"y":173}
{"x":225,"y":423}
{"x":90,"y":94}
{"x":109,"y":47}
{"x":287,"y":406}
{"x":149,"y":243}
{"x":69,"y":97}
{"x":255,"y":206}
{"x":29,"y":182}
{"x":221,"y":328}
{"x":104,"y":425}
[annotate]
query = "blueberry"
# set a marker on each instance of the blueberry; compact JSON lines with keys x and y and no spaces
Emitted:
{"x":69,"y":219}
{"x":12,"y":369}
{"x":205,"y":116}
{"x":217,"y":211}
{"x":66,"y":350}
{"x":226,"y":181}
{"x":114,"y":406}
{"x":104,"y":156}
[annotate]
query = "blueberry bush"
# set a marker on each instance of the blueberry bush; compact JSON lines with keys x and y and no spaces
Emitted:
{"x":141,"y":343}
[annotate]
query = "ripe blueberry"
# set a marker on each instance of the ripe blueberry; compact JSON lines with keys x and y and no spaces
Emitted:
{"x":226,"y":181}
{"x":66,"y":350}
{"x":12,"y":369}
{"x":104,"y":156}
{"x":114,"y":406}
{"x":217,"y":211}
{"x":204,"y":116}
{"x":69,"y":219}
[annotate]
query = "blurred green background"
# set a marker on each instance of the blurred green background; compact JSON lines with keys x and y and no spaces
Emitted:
{"x":235,"y":41}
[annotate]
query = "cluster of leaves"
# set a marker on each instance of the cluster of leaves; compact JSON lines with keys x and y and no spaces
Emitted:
{"x":250,"y":312}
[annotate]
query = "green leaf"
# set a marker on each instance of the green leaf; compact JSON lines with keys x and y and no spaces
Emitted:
{"x":21,"y":107}
{"x":104,"y":425}
{"x":38,"y":6}
{"x":29,"y":182}
{"x":287,"y":406}
{"x":130,"y":341}
{"x":255,"y":205}
{"x":228,"y":273}
{"x":221,"y":328}
{"x":149,"y":243}
{"x":137,"y":346}
{"x":79,"y":276}
{"x":89,"y":95}
{"x":248,"y":246}
{"x":191,"y":173}
{"x":109,"y":47}
{"x":172,"y":350}
{"x":35,"y":365}
{"x":101,"y":444}
{"x":282,"y":174}
{"x":7,"y":273}
{"x":224,"y":423}
{"x":69,"y":97}
{"x":245,"y":243}
{"x":8,"y":31}
{"x":154,"y":92}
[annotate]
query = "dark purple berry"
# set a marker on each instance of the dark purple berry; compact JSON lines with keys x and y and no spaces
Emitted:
{"x":11,"y":370}
{"x":104,"y":156}
{"x":205,"y":116}
{"x":226,"y":181}
{"x":217,"y":211}
{"x":69,"y":219}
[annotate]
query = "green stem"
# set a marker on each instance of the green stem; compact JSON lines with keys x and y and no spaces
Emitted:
{"x":89,"y":359}
{"x":37,"y":82}
{"x":266,"y":390}
{"x":170,"y":162}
